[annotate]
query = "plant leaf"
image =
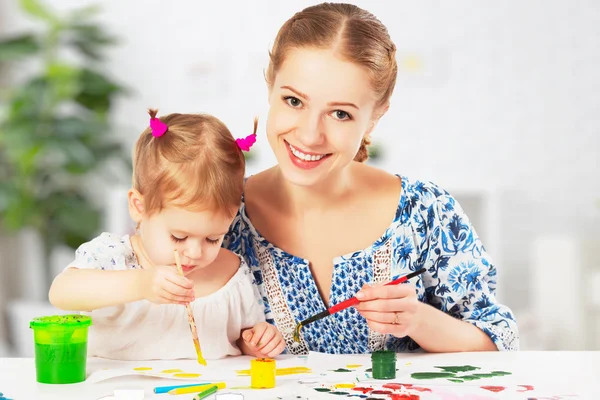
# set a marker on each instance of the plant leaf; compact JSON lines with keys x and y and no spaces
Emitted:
{"x":36,"y":9}
{"x":18,"y":47}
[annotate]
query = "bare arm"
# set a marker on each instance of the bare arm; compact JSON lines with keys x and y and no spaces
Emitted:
{"x":458,"y":335}
{"x":90,"y":289}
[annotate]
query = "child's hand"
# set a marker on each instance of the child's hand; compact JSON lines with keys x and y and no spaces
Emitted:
{"x":264,"y":340}
{"x":164,"y":285}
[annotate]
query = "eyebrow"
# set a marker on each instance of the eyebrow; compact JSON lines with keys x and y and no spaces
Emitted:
{"x":331,"y":103}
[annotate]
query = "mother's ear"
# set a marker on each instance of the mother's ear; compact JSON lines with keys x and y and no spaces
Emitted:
{"x":377,"y":114}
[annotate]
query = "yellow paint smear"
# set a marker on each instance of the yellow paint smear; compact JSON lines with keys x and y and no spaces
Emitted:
{"x":353,"y":365}
{"x":171,"y":371}
{"x":345,"y":385}
{"x":142,"y":369}
{"x":186,"y":375}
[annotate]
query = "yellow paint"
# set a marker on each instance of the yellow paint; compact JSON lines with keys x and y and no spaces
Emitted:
{"x":142,"y":369}
{"x":408,"y":363}
{"x":197,"y":388}
{"x":171,"y":371}
{"x":353,"y":365}
{"x":186,"y":375}
{"x":262,"y":373}
{"x":280,"y":371}
{"x":345,"y":385}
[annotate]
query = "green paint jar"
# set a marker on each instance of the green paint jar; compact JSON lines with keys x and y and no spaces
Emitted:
{"x":60,"y":347}
{"x":384,"y":364}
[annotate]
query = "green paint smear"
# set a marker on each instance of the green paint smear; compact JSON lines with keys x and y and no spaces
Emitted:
{"x":456,"y":380}
{"x":501,"y":373}
{"x":342,"y":370}
{"x":461,"y":368}
{"x":322,"y":390}
{"x":369,"y":370}
{"x":433,"y":375}
{"x":339,"y":393}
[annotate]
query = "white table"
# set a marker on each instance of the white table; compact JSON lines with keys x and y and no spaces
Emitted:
{"x":550,"y":372}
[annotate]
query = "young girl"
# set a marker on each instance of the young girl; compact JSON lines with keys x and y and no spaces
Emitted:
{"x":188,"y":175}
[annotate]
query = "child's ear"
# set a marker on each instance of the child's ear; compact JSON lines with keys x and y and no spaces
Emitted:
{"x":136,"y":205}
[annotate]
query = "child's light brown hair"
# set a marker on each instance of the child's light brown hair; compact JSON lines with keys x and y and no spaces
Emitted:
{"x":196,"y":165}
{"x":355,"y":34}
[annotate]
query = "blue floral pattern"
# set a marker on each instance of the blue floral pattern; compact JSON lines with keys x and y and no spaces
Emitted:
{"x":429,"y":230}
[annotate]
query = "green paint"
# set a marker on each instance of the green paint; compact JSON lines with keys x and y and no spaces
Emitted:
{"x":60,"y":363}
{"x":322,"y":390}
{"x":384,"y":364}
{"x":451,"y":373}
{"x":369,"y":370}
{"x":339,"y":393}
{"x":461,"y":368}
{"x":469,"y":377}
{"x":433,"y":375}
{"x":342,"y":370}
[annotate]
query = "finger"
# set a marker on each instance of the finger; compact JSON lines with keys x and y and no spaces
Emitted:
{"x":247,"y":335}
{"x":173,"y":298}
{"x":266,"y":338}
{"x":179,"y":280}
{"x":259,"y":331}
{"x":278,"y":349}
{"x":175,"y":290}
{"x":407,"y":304}
{"x":381,"y":317}
{"x":386,"y":292}
{"x":398,"y":331}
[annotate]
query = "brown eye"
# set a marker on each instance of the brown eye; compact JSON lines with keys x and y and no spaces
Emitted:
{"x":293,"y":101}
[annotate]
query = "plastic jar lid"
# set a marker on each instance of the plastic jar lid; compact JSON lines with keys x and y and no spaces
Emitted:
{"x":67,"y":321}
{"x":383,"y":355}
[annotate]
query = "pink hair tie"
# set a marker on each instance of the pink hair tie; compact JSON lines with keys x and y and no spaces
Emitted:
{"x":248,"y":141}
{"x":158,"y":127}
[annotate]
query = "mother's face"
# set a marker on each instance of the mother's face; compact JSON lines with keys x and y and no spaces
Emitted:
{"x":320,"y":109}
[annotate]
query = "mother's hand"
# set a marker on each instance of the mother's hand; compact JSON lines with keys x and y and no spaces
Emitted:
{"x":390,"y":309}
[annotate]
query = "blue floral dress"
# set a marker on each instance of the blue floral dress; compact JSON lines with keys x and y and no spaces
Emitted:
{"x":429,"y":230}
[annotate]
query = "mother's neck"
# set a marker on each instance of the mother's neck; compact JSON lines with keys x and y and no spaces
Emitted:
{"x":315,"y":198}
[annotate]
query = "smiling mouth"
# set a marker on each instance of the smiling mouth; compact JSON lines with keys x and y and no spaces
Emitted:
{"x":307,"y":157}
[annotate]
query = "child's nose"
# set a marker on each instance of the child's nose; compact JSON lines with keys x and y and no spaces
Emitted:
{"x":194,"y":250}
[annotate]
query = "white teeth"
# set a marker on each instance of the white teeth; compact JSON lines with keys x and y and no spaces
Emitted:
{"x":305,"y":157}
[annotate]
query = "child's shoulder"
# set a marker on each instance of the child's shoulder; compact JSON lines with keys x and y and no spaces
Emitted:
{"x":228,"y":261}
{"x":106,"y":251}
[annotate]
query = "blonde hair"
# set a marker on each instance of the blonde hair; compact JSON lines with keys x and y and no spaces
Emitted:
{"x":356,"y":34}
{"x":196,"y":164}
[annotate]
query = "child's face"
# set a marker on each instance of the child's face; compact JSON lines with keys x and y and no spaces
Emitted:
{"x":197,"y":235}
{"x":320,"y":109}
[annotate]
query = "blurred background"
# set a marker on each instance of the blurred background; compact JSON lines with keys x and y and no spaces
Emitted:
{"x":498,"y":102}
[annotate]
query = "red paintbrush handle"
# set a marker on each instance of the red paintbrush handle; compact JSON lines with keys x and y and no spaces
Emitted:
{"x":354,"y":301}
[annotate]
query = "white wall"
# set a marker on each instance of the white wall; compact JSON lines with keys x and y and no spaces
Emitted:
{"x":507,"y":100}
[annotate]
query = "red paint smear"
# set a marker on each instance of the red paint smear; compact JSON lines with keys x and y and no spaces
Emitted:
{"x":421,"y":389}
{"x":494,"y":389}
{"x":527,"y":388}
{"x":381,"y":392}
{"x":362,"y":389}
{"x":393,"y":386}
{"x":405,"y":397}
{"x":398,"y":386}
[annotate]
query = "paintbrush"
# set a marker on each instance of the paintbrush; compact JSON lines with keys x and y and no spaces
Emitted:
{"x":347,"y":303}
{"x":191,"y":319}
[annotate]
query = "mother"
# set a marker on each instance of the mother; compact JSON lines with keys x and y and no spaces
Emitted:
{"x":321,"y":225}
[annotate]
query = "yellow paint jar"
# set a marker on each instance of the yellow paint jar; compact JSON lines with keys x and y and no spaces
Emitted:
{"x":262,"y":373}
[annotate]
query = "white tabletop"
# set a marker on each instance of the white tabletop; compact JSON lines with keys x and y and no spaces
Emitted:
{"x":567,"y":375}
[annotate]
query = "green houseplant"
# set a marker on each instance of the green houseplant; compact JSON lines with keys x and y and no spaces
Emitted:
{"x":55,"y":132}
